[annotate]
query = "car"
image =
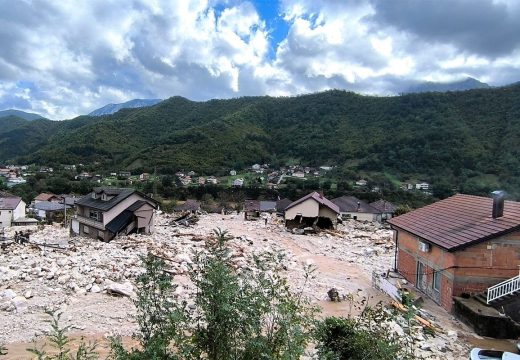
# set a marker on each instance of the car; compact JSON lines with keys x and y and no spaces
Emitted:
{"x":477,"y":354}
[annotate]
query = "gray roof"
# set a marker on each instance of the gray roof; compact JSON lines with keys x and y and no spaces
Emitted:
{"x":267,"y":205}
{"x":353,"y":204}
{"x":98,"y":204}
{"x":189,"y":205}
{"x":50,"y":206}
{"x":9,"y":203}
{"x":384,"y":206}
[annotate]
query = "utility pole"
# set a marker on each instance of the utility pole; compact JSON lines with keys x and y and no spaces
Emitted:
{"x":155,"y":182}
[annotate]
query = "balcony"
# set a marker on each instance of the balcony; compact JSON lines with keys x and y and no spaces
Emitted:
{"x":90,"y":222}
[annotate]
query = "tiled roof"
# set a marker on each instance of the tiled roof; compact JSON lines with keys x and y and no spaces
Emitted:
{"x":282,"y":204}
{"x":383,"y":206}
{"x":350,"y":204}
{"x":267,"y":205}
{"x":319,"y":198}
{"x":50,"y":206}
{"x":459,"y":221}
{"x":189,"y":205}
{"x":44,"y":197}
{"x":105,"y":205}
{"x":9,"y":203}
{"x":251,"y":205}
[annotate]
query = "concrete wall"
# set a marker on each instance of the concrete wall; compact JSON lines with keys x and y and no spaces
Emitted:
{"x":361,"y":216}
{"x":308,"y":208}
{"x":6,"y":216}
{"x":19,"y":212}
{"x":466,"y":271}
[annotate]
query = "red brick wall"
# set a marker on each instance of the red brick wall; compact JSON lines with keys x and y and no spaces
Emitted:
{"x":470,"y":270}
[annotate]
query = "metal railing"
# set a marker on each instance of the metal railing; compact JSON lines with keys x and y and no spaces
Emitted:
{"x":504,"y":288}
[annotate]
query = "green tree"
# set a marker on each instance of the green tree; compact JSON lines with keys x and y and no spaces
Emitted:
{"x":235,"y":315}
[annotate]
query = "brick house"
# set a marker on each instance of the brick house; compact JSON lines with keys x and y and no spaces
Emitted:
{"x":460,"y":245}
{"x":107,"y":212}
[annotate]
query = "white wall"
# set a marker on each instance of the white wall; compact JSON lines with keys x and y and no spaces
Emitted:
{"x":5,"y":218}
{"x":19,"y":212}
{"x":359,"y":216}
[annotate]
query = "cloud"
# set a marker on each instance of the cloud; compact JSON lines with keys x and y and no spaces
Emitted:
{"x":65,"y":58}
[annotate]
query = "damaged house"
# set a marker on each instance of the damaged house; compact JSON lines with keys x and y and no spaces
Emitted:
{"x":313,"y":210}
{"x":107,"y":212}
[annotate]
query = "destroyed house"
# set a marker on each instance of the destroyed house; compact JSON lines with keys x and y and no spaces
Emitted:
{"x":353,"y":208}
{"x":312,"y":210}
{"x":253,"y":208}
{"x":108,"y":212}
{"x":386,"y":209}
{"x":459,"y":246}
{"x":189,"y":205}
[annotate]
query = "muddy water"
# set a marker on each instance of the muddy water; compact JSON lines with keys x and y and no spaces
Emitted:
{"x":18,"y":351}
{"x":493,"y":344}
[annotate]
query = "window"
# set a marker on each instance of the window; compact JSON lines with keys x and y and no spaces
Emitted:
{"x":85,"y":229}
{"x":95,"y":215}
{"x":437,"y":280}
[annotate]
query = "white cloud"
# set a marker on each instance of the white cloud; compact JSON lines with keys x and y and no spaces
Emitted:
{"x":64,"y":58}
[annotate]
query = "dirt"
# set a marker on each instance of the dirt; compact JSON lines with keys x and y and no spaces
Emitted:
{"x":344,"y":261}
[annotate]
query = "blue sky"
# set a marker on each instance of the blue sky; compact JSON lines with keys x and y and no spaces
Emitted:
{"x":66,"y":58}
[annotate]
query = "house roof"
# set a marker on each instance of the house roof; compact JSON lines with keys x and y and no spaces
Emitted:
{"x":50,"y":206}
{"x":119,"y":194}
{"x":319,"y":198}
{"x":251,"y":205}
{"x":44,"y":197}
{"x":120,"y":221}
{"x":383,"y":206}
{"x":189,"y":205}
{"x":459,"y":221}
{"x":267,"y":205}
{"x":350,"y":204}
{"x":282,"y":204}
{"x":9,"y":203}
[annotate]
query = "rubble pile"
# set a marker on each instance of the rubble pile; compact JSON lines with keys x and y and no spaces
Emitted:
{"x":93,"y":282}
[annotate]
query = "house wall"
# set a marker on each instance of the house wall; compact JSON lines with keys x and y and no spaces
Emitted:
{"x":145,"y":218}
{"x":6,"y":217}
{"x":308,"y":208}
{"x":324,"y":211}
{"x":19,"y":212}
{"x":470,"y":270}
{"x":361,"y":216}
{"x":119,"y":208}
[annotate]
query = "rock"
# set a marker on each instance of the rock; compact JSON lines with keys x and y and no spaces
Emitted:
{"x":28,"y":294}
{"x":63,"y":279}
{"x":8,"y":294}
{"x":7,"y":306}
{"x":95,"y":289}
{"x":125,"y":289}
{"x":20,"y":303}
{"x":180,"y":258}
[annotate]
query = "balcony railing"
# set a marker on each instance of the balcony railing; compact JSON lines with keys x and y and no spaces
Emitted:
{"x":90,"y":222}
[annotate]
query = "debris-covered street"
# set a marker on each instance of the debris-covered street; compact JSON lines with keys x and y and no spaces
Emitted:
{"x":91,"y":282}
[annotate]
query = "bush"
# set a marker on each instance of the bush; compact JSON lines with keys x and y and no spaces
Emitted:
{"x":235,"y":315}
{"x":362,"y":338}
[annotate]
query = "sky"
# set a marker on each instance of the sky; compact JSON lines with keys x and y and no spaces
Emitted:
{"x":62,"y":59}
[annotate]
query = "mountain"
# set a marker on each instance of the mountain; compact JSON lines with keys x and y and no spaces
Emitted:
{"x":132,"y":104}
{"x":466,"y":140}
{"x":466,"y":84}
{"x":21,"y":114}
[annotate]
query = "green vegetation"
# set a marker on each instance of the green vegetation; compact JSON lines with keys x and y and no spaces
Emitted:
{"x":60,"y":343}
{"x":235,"y":315}
{"x":465,"y":141}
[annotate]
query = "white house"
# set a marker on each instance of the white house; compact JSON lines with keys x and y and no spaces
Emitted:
{"x":233,"y":173}
{"x":238,"y":182}
{"x":12,"y":208}
{"x":422,"y":186}
{"x":361,"y":182}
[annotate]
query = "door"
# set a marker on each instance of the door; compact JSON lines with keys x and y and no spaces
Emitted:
{"x":421,"y":276}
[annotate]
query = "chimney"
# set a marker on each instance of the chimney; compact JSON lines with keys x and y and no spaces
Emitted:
{"x":498,"y":203}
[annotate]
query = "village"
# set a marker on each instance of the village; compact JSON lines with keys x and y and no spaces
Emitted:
{"x":463,"y":275}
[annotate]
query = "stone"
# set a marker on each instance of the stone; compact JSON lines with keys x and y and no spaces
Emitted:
{"x":124,"y":289}
{"x":8,"y":294}
{"x":95,"y":289}
{"x":20,"y":303}
{"x":28,"y":294}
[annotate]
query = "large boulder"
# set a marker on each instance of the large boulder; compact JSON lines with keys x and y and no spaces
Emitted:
{"x":124,"y":289}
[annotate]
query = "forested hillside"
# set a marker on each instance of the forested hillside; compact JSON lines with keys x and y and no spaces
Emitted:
{"x":467,"y":140}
